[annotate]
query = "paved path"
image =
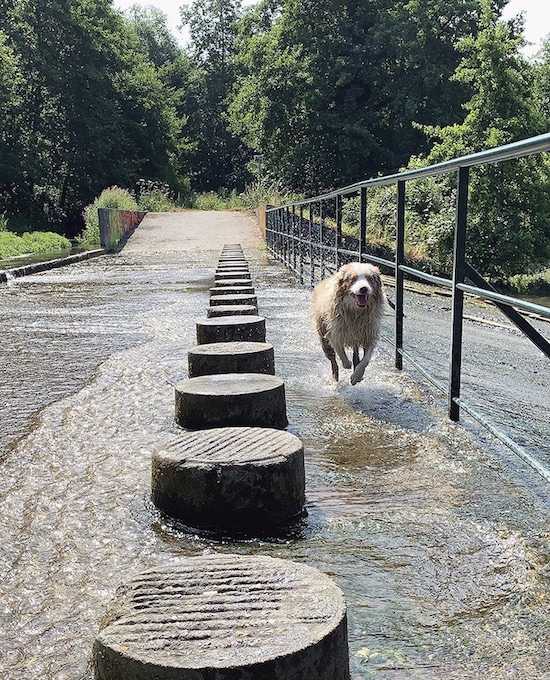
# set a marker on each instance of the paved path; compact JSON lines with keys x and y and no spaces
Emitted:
{"x":437,"y":541}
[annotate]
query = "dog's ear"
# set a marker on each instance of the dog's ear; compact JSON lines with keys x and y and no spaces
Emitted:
{"x":376,"y":279}
{"x":344,"y":277}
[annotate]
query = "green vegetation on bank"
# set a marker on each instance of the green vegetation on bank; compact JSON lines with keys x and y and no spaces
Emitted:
{"x":32,"y":243}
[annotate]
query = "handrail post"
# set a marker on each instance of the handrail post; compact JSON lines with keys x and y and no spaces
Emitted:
{"x":363,"y":224}
{"x":292,"y":243}
{"x":399,"y":278}
{"x":459,"y":271}
{"x":286,"y":237}
{"x":338,"y":243}
{"x":294,"y":237}
{"x":322,"y":238}
{"x":311,"y":253}
{"x":300,"y":244}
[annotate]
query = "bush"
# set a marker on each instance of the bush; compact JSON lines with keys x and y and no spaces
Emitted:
{"x":34,"y":242}
{"x":154,"y":196}
{"x":44,"y":242}
{"x":113,"y":197}
{"x":258,"y":193}
{"x":530,"y":284}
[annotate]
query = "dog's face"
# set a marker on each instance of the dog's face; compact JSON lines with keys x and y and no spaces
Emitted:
{"x":359,"y":284}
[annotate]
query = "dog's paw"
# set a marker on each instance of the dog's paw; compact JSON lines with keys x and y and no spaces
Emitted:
{"x":356,"y":377}
{"x":346,"y":364}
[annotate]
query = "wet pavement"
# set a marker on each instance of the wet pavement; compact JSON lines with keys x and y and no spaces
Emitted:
{"x":437,"y":534}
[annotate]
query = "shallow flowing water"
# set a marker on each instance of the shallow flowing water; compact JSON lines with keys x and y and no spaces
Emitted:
{"x":437,"y":544}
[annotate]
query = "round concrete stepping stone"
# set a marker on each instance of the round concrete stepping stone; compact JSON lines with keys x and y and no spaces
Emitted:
{"x":229,"y":275}
{"x":230,"y":257}
{"x":232,"y":478}
{"x":231,"y":329}
{"x":225,"y":617}
{"x":231,"y":357}
{"x":231,"y":310}
{"x":224,"y":283}
{"x":231,"y":400}
{"x":216,"y":300}
{"x":232,"y":290}
{"x":223,"y":269}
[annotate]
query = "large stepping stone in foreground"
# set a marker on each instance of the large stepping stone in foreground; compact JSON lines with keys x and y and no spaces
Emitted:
{"x":231,"y":329}
{"x":232,"y":290}
{"x":245,"y":281}
{"x":233,"y":300}
{"x":231,"y":310}
{"x":232,"y":479}
{"x":231,"y":400}
{"x":231,"y":357}
{"x":225,"y":617}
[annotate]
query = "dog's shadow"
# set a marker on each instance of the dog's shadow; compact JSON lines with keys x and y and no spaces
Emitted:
{"x":386,"y":404}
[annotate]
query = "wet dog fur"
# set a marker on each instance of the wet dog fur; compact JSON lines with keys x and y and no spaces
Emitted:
{"x":347,"y":309}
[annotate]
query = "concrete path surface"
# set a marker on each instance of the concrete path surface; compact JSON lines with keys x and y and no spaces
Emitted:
{"x":435,"y":533}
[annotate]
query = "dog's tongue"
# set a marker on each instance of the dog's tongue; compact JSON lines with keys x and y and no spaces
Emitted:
{"x":361,"y":300}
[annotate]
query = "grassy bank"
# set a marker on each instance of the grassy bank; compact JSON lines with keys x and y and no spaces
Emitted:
{"x":33,"y":243}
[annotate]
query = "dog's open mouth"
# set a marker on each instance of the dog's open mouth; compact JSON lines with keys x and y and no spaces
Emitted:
{"x":361,"y":299}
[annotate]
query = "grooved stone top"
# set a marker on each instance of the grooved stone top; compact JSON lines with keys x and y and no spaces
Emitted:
{"x":232,"y":446}
{"x":231,"y":384}
{"x":231,"y":321}
{"x":209,"y":616}
{"x":229,"y":290}
{"x":233,"y":282}
{"x":231,"y":310}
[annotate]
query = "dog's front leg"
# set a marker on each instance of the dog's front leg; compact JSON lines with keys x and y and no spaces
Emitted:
{"x":359,"y":371}
{"x":355,"y":356}
{"x":341,"y":352}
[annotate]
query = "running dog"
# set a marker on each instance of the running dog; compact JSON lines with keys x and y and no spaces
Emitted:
{"x":348,"y":309}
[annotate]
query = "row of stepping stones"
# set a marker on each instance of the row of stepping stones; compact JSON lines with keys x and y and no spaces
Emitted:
{"x":234,"y":468}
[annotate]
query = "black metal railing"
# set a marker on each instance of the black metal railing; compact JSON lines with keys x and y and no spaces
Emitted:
{"x":310,"y":249}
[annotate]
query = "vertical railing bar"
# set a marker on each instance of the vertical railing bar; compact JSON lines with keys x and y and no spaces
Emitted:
{"x":459,"y":268}
{"x":399,"y":277}
{"x":363,"y":224}
{"x":294,"y":237}
{"x":311,"y":253}
{"x":301,"y":245}
{"x":338,"y":243}
{"x":286,"y":230}
{"x":322,"y":239}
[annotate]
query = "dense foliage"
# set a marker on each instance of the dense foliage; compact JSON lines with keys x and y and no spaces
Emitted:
{"x":324,"y":92}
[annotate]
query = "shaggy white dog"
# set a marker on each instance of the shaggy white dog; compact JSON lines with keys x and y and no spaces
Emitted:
{"x":348,"y":309}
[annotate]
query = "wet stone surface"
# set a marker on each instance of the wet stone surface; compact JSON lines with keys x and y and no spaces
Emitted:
{"x":231,"y":357}
{"x":231,"y":400}
{"x":231,"y":329}
{"x":216,"y":300}
{"x":231,"y":479}
{"x":226,"y":617}
{"x":232,"y":290}
{"x":245,"y":281}
{"x":231,"y":310}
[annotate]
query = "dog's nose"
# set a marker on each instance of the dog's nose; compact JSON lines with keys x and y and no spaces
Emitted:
{"x":363,"y":290}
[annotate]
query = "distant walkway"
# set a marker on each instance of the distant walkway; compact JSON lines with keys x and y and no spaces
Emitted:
{"x":191,"y":230}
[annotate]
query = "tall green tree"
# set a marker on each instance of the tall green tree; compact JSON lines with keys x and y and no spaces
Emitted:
{"x":92,"y":108}
{"x":509,"y":218}
{"x":329,"y":91}
{"x":219,"y":157}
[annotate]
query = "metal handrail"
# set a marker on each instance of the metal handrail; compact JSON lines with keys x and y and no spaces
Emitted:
{"x":294,"y":245}
{"x":525,"y":147}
